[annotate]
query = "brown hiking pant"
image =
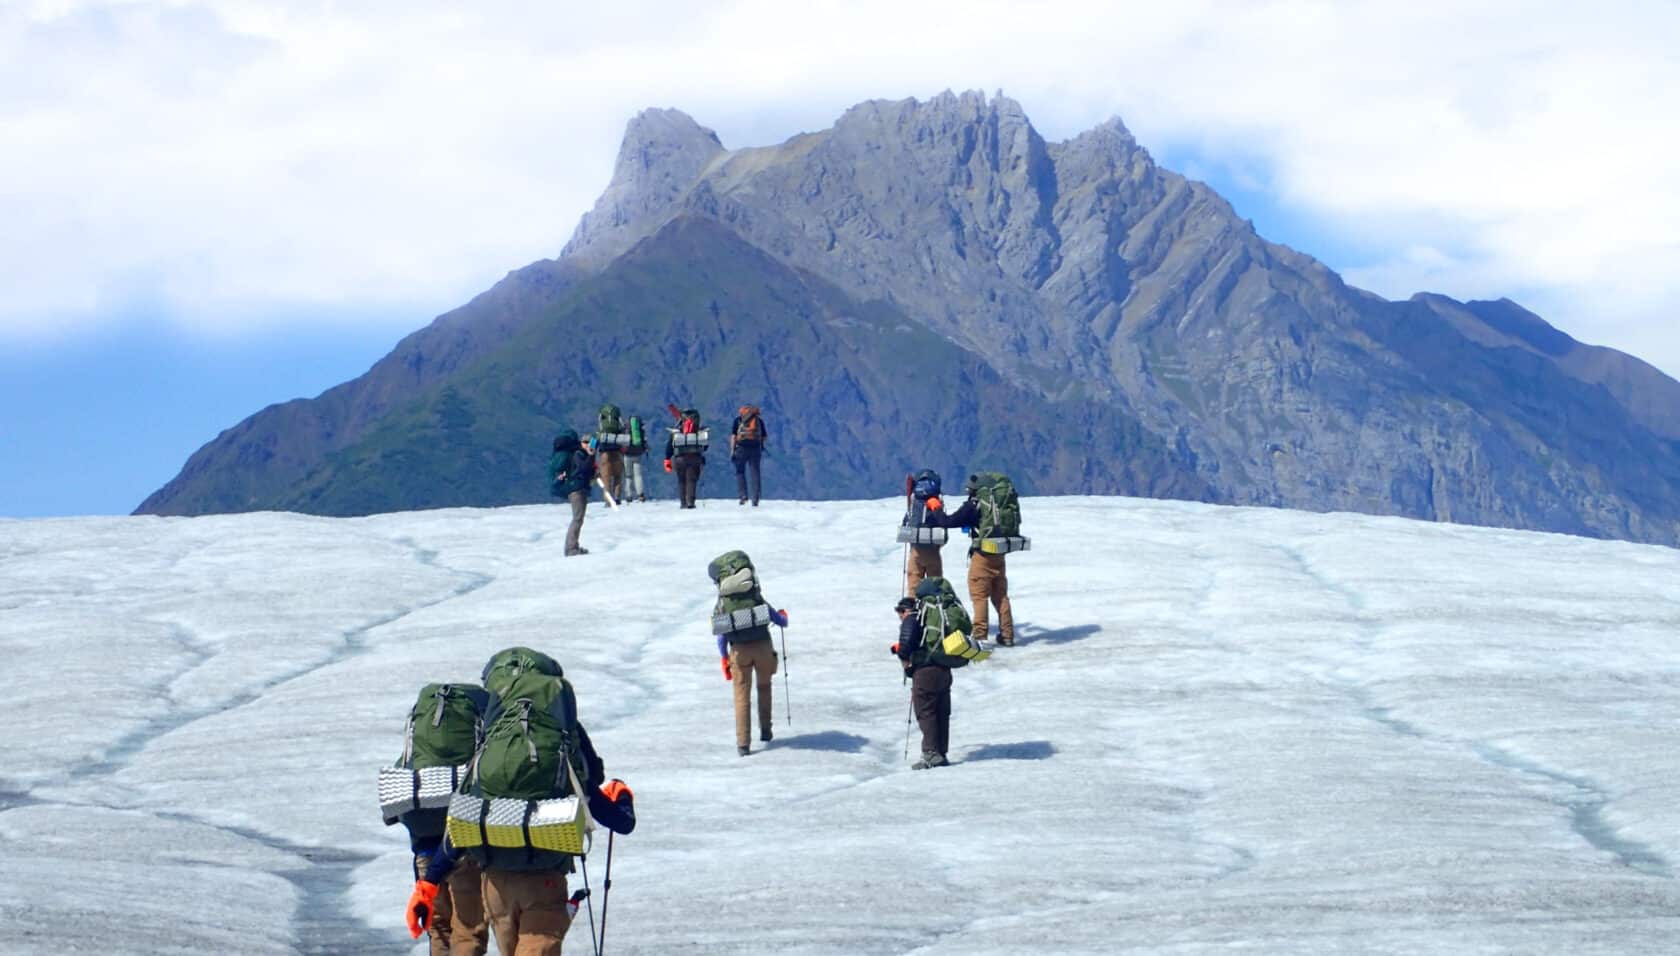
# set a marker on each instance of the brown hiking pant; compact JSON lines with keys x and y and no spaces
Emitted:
{"x":609,"y":465}
{"x":930,"y":693}
{"x":924,"y":562}
{"x":458,"y":924}
{"x":527,"y":910}
{"x":989,"y":581}
{"x":752,"y":663}
{"x":580,"y":503}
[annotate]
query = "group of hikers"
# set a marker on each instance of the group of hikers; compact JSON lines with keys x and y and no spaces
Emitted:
{"x":499,"y":784}
{"x":611,"y":457}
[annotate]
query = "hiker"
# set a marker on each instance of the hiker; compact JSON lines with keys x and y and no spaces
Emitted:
{"x":930,"y":686}
{"x":444,"y":728}
{"x":741,"y":620}
{"x":746,"y":446}
{"x":610,"y":442}
{"x":992,"y":517}
{"x":685,"y":452}
{"x":570,"y":470}
{"x":921,"y":530}
{"x":635,"y":487}
{"x":533,"y":711}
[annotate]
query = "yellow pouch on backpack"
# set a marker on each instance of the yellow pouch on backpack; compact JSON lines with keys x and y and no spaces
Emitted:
{"x":958,"y":644}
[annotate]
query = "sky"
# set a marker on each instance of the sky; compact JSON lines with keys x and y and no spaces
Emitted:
{"x":1264,"y":731}
{"x":287,"y":189}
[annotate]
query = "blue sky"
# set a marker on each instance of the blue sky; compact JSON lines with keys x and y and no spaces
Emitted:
{"x":212,"y":205}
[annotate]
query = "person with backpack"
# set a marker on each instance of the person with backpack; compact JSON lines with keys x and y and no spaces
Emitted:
{"x":921,"y":531}
{"x":746,"y":446}
{"x":685,"y":452}
{"x":635,"y":487}
{"x":741,"y":621}
{"x":511,"y":814}
{"x":570,"y":470}
{"x":444,"y":728}
{"x":992,"y":517}
{"x":925,"y":621}
{"x":611,"y":439}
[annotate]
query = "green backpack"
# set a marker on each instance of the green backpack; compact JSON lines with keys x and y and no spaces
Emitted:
{"x":940,"y":612}
{"x":532,"y":735}
{"x":733,"y":573}
{"x":1000,"y":507}
{"x":610,"y":420}
{"x":445,"y":726}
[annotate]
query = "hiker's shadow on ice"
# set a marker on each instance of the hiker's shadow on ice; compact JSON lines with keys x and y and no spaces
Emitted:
{"x":826,"y":740}
{"x":1031,"y":634}
{"x":1020,"y":750}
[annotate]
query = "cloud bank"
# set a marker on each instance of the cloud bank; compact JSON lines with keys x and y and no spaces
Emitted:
{"x":221,"y":162}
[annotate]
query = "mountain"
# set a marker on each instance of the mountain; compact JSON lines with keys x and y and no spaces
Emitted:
{"x":934,"y":283}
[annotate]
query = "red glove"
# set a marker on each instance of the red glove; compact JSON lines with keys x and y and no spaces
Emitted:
{"x":726,"y":674}
{"x":421,"y":905}
{"x":934,"y":504}
{"x":616,"y":787}
{"x":667,"y":466}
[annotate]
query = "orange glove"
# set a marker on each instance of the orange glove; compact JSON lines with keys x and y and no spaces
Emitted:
{"x":934,"y":504}
{"x":667,"y":466}
{"x":421,"y":906}
{"x":726,"y":673}
{"x":614,"y":788}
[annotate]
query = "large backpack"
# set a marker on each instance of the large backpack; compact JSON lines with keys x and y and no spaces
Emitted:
{"x":445,"y":727}
{"x":1000,"y":507}
{"x":941,"y":614}
{"x":637,"y":439}
{"x":740,"y":611}
{"x":751,"y":427}
{"x":610,"y":420}
{"x":531,"y":752}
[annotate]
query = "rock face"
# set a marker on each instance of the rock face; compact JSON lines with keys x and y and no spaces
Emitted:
{"x":1073,"y":314}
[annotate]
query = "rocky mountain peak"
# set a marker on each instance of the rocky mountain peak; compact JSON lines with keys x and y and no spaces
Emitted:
{"x":664,"y":151}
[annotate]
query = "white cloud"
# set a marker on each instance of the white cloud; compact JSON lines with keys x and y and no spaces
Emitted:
{"x":223,"y":158}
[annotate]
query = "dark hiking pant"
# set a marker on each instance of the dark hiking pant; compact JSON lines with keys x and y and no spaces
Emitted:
{"x":747,"y":479}
{"x":930,"y":694}
{"x":688,"y":478}
{"x":580,"y":503}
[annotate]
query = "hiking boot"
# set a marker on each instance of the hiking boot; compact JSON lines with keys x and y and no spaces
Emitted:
{"x":743,"y":750}
{"x":929,"y":761}
{"x":766,"y":736}
{"x":577,"y":552}
{"x":1005,"y":641}
{"x":742,"y":501}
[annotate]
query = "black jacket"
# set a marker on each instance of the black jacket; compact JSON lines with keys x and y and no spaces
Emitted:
{"x":910,"y":649}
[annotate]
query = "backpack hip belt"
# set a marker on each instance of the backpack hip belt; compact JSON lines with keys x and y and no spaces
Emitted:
{"x":691,"y":441}
{"x":746,"y":618}
{"x":613,"y":440}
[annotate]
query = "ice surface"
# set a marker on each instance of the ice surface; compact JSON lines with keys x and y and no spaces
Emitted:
{"x":1221,"y":729}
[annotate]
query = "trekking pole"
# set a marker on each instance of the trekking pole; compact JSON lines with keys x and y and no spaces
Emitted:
{"x":606,"y":895}
{"x":595,"y":941}
{"x":909,"y":708}
{"x":787,"y":687}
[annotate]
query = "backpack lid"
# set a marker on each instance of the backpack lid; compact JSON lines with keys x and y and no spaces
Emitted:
{"x":726,"y":564}
{"x":925,"y":484}
{"x":505,"y":666}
